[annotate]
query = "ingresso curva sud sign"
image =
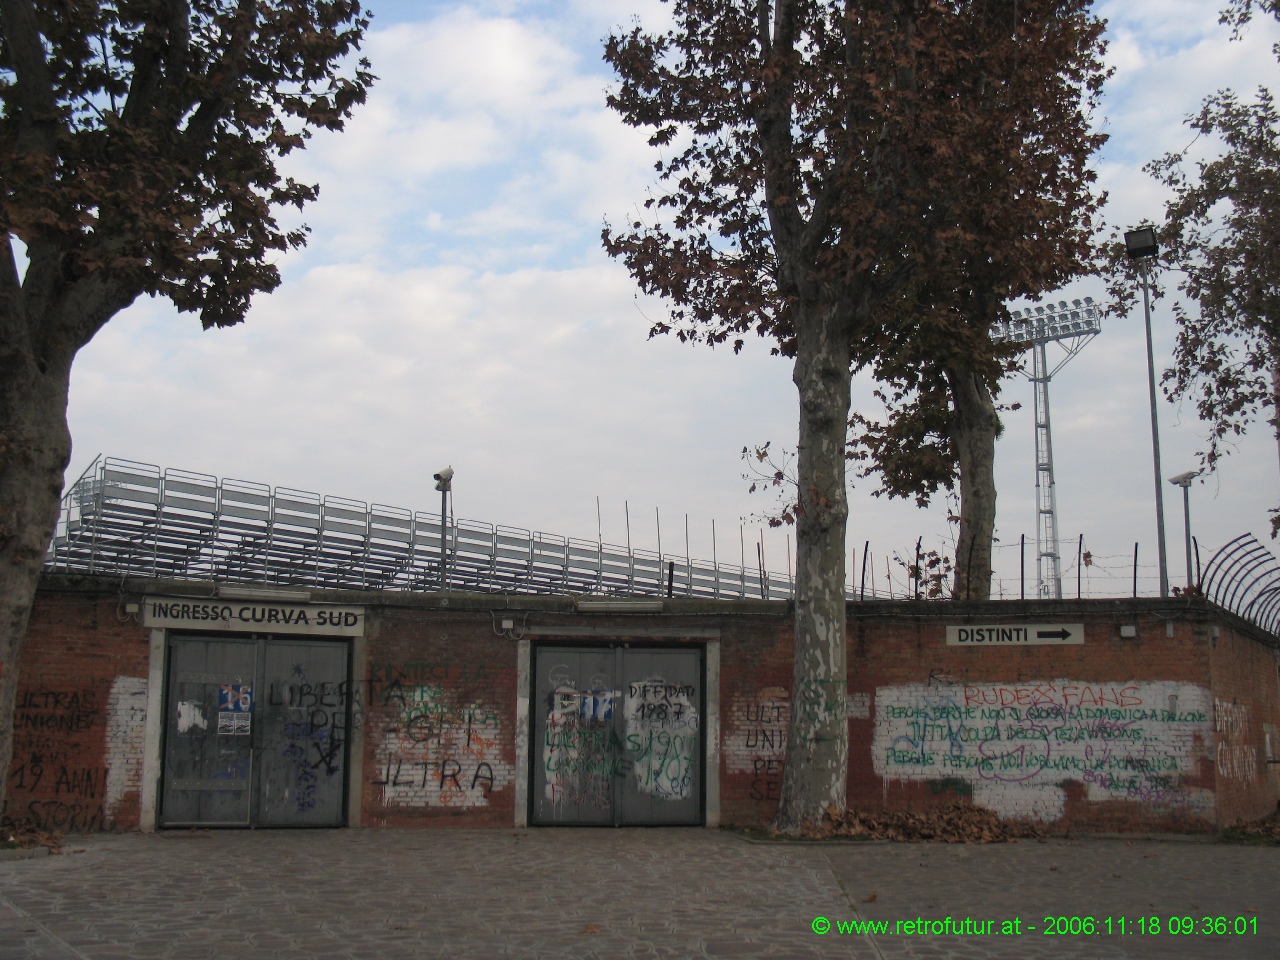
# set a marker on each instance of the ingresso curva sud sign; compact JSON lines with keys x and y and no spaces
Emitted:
{"x":257,"y":616}
{"x":1013,"y":634}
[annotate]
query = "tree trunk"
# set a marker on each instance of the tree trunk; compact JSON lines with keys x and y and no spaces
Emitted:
{"x":974,"y":425}
{"x":35,"y":447}
{"x":818,"y":740}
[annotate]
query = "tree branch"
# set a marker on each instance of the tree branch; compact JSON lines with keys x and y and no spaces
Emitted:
{"x":204,"y":121}
{"x":38,"y":109}
{"x":773,"y":122}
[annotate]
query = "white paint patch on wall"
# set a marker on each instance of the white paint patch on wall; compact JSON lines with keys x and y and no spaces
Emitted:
{"x":661,"y":736}
{"x":126,"y":728}
{"x":1018,"y":744}
{"x":190,"y":714}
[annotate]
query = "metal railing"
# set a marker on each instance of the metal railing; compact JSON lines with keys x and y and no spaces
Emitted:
{"x":133,"y":519}
{"x":1244,"y":577}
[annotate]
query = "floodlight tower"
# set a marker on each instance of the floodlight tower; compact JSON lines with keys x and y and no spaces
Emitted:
{"x":1070,"y":327}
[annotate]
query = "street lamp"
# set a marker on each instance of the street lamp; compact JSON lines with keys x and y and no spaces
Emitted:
{"x":444,"y":483}
{"x":1183,"y":480}
{"x":1141,"y":246}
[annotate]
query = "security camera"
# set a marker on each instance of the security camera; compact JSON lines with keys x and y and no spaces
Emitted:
{"x":1184,"y":479}
{"x":443,"y":478}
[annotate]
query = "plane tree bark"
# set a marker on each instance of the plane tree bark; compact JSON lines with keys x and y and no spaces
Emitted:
{"x":138,"y":155}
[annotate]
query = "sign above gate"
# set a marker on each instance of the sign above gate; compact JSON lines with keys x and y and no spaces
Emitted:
{"x":256,"y":616}
{"x":1013,"y":634}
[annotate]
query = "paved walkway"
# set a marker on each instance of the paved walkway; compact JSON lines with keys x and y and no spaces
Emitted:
{"x":487,"y":894}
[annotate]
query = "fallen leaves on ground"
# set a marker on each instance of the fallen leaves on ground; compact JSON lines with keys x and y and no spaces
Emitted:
{"x":1267,"y":829}
{"x":25,"y":833}
{"x":954,"y":823}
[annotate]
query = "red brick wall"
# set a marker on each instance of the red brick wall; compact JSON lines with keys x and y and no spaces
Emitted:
{"x":1109,"y":735}
{"x":81,"y":709}
{"x":1166,"y":730}
{"x":1246,"y":708}
{"x":755,"y":710}
{"x":439,"y":721}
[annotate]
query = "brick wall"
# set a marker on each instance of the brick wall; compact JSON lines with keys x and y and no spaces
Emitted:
{"x":1111,"y":735}
{"x":81,"y":710}
{"x":1246,"y":722}
{"x":1171,"y":728}
{"x":439,"y":721}
{"x":755,"y":711}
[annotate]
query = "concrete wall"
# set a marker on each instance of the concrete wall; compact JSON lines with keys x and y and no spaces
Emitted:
{"x":1165,"y":718}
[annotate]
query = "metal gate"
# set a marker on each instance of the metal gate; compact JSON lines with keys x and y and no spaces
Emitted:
{"x":618,"y":736}
{"x":256,"y":733}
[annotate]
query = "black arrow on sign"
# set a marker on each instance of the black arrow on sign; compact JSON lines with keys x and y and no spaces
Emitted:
{"x":1059,"y":634}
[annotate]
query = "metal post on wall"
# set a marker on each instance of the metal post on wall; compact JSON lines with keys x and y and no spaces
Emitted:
{"x":866,"y":549}
{"x":1079,"y":564}
{"x":1022,"y":566}
{"x":1135,"y":569}
{"x":444,"y":483}
{"x":916,"y":594}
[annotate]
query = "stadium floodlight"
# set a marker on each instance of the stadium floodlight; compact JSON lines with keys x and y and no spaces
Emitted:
{"x":1071,"y":326}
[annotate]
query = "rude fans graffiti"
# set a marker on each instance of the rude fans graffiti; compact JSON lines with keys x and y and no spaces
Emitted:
{"x":1018,"y":743}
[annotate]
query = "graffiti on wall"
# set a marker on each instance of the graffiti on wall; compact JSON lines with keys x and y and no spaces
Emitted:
{"x":581,"y":753}
{"x":435,"y":750}
{"x":76,"y":757}
{"x":756,"y":740}
{"x":661,"y":737}
{"x":1019,"y":745}
{"x":1235,"y":756}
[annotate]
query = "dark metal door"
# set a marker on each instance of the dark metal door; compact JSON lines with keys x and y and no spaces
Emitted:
{"x":617,"y":735}
{"x":255,"y":733}
{"x":302,"y":747}
{"x":208,"y":762}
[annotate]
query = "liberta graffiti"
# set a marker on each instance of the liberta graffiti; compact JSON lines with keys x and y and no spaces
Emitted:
{"x":1020,"y":745}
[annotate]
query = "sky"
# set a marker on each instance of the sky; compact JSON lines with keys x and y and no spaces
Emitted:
{"x":454,"y":307}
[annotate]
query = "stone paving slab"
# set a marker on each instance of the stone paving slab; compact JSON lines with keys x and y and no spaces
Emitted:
{"x":597,"y":894}
{"x":373,"y":894}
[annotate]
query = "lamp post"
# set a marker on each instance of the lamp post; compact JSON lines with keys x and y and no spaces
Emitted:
{"x":1183,"y":480}
{"x":1141,"y":245}
{"x":444,"y":483}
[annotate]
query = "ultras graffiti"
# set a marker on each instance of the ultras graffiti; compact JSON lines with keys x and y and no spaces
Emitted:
{"x":435,"y":751}
{"x":1018,"y":744}
{"x":756,"y":740}
{"x":76,"y":757}
{"x":581,"y":753}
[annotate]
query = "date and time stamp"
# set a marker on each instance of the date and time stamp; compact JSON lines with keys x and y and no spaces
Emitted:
{"x":1153,"y":925}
